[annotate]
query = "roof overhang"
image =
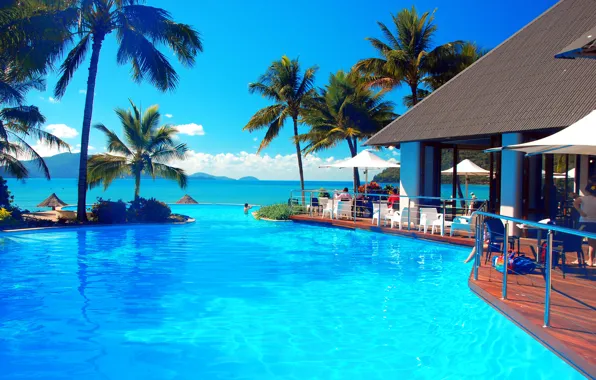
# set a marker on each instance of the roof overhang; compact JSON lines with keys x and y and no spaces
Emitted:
{"x":583,"y":47}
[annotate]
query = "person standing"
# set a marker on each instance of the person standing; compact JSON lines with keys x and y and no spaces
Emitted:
{"x":586,"y":206}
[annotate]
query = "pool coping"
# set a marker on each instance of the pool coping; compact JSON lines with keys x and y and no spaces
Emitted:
{"x":67,"y":227}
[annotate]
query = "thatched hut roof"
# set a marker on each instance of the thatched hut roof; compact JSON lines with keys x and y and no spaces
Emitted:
{"x":187,"y":200}
{"x":52,"y":201}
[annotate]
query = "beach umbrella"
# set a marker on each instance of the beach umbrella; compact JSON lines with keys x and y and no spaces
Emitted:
{"x":187,"y":200}
{"x":467,"y":168}
{"x":583,"y":47}
{"x":364,"y":160}
{"x":578,"y":138}
{"x":52,"y":201}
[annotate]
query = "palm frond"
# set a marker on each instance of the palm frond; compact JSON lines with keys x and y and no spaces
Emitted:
{"x":168,"y":153}
{"x":70,"y":65}
{"x":13,"y":166}
{"x":170,"y":172}
{"x":114,"y":145}
{"x":264,"y":117}
{"x":28,"y":152}
{"x":105,"y":168}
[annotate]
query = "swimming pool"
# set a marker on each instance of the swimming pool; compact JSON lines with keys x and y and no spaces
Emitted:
{"x":233,"y":298}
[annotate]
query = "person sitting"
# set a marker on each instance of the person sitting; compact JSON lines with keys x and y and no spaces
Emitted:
{"x":393,"y":201}
{"x":344,"y":195}
{"x":586,"y":207}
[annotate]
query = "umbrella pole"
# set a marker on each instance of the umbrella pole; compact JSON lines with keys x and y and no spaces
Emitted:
{"x":466,"y":194}
{"x":365,"y":180}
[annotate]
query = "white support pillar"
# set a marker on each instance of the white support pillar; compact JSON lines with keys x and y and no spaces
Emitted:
{"x":410,"y":176}
{"x":511,"y":180}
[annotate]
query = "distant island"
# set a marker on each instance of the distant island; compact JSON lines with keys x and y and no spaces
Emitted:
{"x":66,"y":165}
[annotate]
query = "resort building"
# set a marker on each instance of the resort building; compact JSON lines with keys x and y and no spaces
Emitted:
{"x":518,"y":92}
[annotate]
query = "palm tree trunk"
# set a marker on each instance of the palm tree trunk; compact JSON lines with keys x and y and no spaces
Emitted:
{"x":82,"y":199}
{"x":356,"y":173}
{"x":299,"y":156}
{"x":137,"y":185}
{"x":414,"y":89}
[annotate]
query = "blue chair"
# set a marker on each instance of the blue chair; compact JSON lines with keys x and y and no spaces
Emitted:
{"x":571,"y":243}
{"x":496,"y":233}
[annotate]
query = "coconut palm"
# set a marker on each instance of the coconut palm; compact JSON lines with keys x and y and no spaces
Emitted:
{"x":290,"y":89}
{"x":140,"y":29}
{"x":345,"y":111}
{"x":148,"y":152}
{"x":407,"y":57}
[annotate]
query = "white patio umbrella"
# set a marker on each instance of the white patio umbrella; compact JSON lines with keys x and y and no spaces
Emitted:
{"x":364,"y":160}
{"x":467,"y":168}
{"x":578,"y":138}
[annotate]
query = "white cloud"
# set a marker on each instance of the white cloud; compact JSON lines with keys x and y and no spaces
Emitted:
{"x":169,"y":115}
{"x":254,"y":139}
{"x":84,"y":92}
{"x":191,"y":129}
{"x":89,"y":147}
{"x":53,"y":100}
{"x":45,"y":151}
{"x":279,"y":167}
{"x":62,"y":131}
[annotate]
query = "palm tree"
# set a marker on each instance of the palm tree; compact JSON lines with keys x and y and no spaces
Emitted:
{"x":345,"y":110}
{"x":32,"y":34}
{"x":139,"y":30}
{"x":283,"y":83}
{"x":407,"y":57}
{"x":149,"y":150}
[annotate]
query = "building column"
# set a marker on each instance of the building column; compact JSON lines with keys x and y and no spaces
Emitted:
{"x":432,"y":172}
{"x":409,"y":180}
{"x":511,"y":180}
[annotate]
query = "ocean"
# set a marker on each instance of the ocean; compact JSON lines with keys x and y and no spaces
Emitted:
{"x":29,"y":193}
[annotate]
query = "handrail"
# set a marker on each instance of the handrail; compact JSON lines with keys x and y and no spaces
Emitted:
{"x":551,"y":228}
{"x":387,"y":194}
{"x":542,"y":226}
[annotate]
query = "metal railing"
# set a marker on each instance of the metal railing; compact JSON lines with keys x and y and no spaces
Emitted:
{"x":551,"y":229}
{"x":370,"y":206}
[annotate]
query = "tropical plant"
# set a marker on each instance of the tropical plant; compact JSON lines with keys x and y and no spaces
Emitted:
{"x":32,"y":34}
{"x":149,"y":150}
{"x":148,"y":210}
{"x":278,"y":211}
{"x":19,"y":122}
{"x":108,"y":212}
{"x":140,"y":29}
{"x":345,"y":111}
{"x":290,"y":89}
{"x":407,"y":57}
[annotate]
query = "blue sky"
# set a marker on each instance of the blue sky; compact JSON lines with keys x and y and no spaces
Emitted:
{"x":241,"y":39}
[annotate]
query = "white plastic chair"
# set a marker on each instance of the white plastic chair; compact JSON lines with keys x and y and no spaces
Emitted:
{"x":400,"y":217}
{"x":330,"y":208}
{"x":344,"y":209}
{"x":428,"y":217}
{"x":385,"y":212}
{"x":463,"y":224}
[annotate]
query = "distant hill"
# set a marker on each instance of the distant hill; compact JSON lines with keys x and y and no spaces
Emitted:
{"x":209,"y":177}
{"x":66,"y":165}
{"x":63,"y":165}
{"x":248,"y":178}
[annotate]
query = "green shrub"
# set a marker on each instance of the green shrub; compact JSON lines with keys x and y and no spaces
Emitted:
{"x":278,"y":211}
{"x":6,"y":202}
{"x":148,"y":210}
{"x":108,"y":212}
{"x":324,"y":194}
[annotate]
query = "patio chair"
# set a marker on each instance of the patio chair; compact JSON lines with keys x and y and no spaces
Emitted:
{"x":496,"y":234}
{"x":330,"y":208}
{"x":463,"y":224}
{"x":428,"y":217}
{"x":344,"y":209}
{"x":384,"y":212}
{"x":400,"y":217}
{"x":571,"y":243}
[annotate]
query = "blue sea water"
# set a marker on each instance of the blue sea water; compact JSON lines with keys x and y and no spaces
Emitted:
{"x":30,"y":193}
{"x":229,"y":297}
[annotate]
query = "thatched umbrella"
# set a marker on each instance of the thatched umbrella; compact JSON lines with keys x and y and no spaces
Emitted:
{"x":187,"y":200}
{"x":52,"y":201}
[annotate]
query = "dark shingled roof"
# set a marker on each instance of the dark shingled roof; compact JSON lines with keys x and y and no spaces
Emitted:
{"x":518,"y":86}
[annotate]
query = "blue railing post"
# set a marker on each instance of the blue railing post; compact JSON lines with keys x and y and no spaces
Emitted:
{"x":379,"y":218}
{"x":409,"y":213}
{"x":548,"y":269}
{"x":443,"y":219}
{"x":505,"y":259}
{"x":479,"y":246}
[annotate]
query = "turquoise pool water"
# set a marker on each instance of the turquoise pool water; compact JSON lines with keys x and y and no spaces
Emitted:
{"x":233,"y":298}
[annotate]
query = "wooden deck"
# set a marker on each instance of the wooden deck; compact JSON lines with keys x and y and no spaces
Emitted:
{"x":572,"y":331}
{"x":365,"y":224}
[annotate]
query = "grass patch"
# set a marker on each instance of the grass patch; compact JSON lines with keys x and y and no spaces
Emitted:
{"x":280,"y":211}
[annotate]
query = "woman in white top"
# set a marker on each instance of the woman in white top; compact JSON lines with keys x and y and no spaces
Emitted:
{"x":586,"y":206}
